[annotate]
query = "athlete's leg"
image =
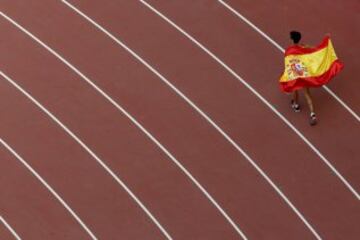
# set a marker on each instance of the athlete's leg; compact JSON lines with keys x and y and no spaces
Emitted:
{"x":311,"y":106}
{"x":295,"y":101}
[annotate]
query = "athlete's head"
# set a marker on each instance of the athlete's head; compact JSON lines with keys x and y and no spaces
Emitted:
{"x":295,"y":36}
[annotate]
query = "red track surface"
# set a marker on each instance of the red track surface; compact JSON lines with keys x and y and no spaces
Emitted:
{"x":174,"y":200}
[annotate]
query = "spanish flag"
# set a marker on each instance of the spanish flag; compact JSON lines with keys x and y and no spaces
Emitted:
{"x":309,"y":67}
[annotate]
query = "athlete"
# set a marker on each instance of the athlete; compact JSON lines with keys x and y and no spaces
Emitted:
{"x":296,"y":37}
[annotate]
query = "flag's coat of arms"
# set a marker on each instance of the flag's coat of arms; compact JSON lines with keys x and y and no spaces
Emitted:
{"x":295,"y":68}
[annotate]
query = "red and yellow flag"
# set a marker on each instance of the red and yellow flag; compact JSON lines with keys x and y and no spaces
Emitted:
{"x":309,"y":67}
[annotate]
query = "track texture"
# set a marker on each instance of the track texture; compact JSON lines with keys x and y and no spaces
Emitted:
{"x":182,"y":209}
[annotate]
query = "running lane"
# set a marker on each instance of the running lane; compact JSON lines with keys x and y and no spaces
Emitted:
{"x":314,"y":19}
{"x":31,"y":210}
{"x":173,"y":199}
{"x":302,"y":176}
{"x":223,"y":171}
{"x":254,"y":59}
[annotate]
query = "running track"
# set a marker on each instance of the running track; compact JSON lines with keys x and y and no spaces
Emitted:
{"x":164,"y":142}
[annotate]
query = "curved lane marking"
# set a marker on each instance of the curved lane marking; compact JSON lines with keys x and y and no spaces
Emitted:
{"x":7,"y":225}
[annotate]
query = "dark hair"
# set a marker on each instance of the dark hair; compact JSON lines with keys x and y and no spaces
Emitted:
{"x":295,"y":36}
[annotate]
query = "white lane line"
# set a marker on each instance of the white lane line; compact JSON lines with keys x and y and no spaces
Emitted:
{"x":283,"y":51}
{"x":137,"y":124}
{"x":90,"y":152}
{"x":53,"y":192}
{"x":257,"y":94}
{"x":152,"y":69}
{"x":7,"y":225}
